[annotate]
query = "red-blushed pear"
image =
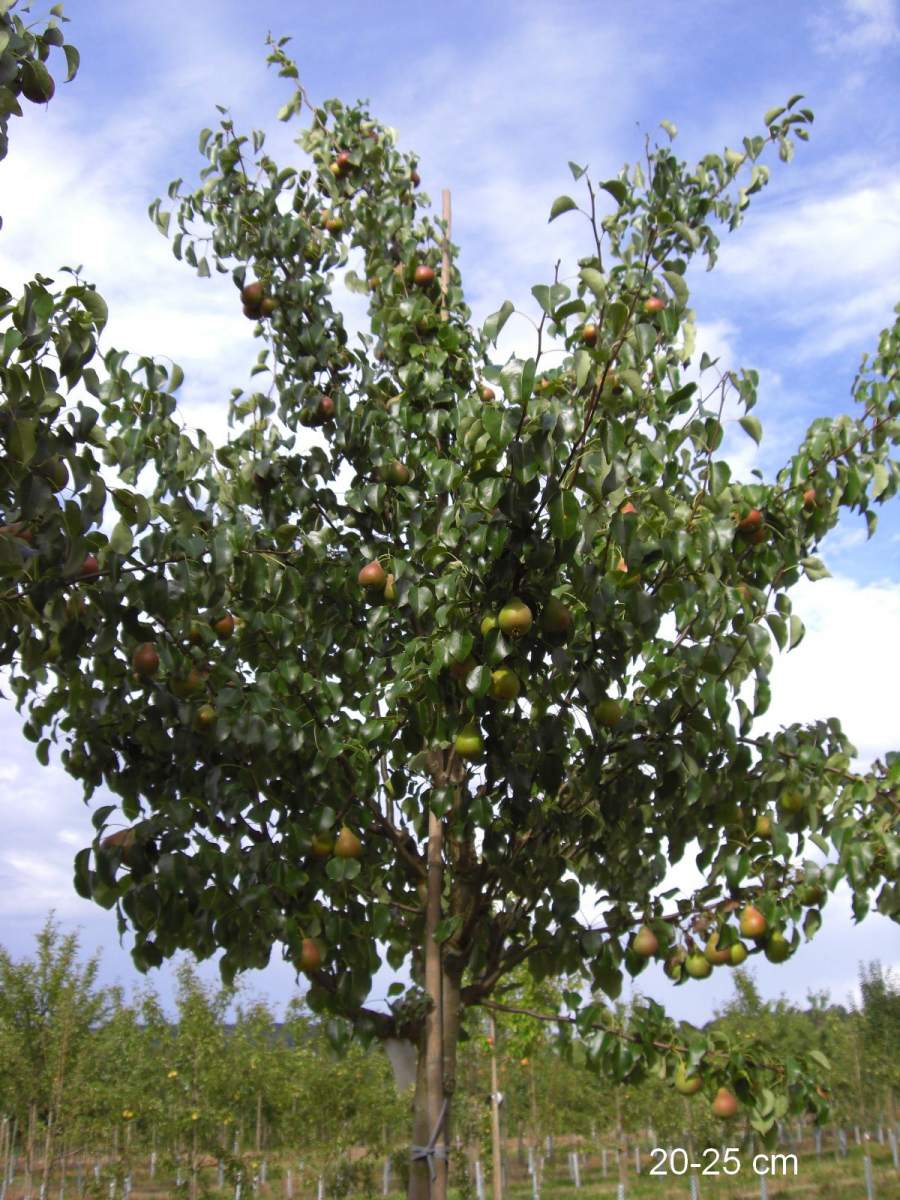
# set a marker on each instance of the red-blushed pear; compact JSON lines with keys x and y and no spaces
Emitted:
{"x":395,"y":473}
{"x":461,"y":671}
{"x":18,"y":530}
{"x":556,"y":619}
{"x":122,"y":840}
{"x":415,"y":178}
{"x":737,"y":954}
{"x":423,"y":276}
{"x":697,"y":965}
{"x":372,"y":575}
{"x":185,"y":686}
{"x":725,"y":1104}
{"x":515,"y":618}
{"x":714,"y":954}
{"x":224,"y":627}
{"x":607,"y":712}
{"x":645,"y":943}
{"x":627,"y":508}
{"x":685,"y":1083}
{"x":204,"y":718}
{"x":268,"y":306}
{"x":654,"y":305}
{"x":252,"y":294}
{"x":89,"y":568}
{"x":469,"y":743}
{"x":750,"y":523}
{"x":810,"y":499}
{"x":145,"y":660}
{"x":505,"y":685}
{"x":390,"y":589}
{"x":325,"y":409}
{"x":487,"y":393}
{"x":334,"y":225}
{"x":321,"y":846}
{"x":777,"y":948}
{"x":589,"y":335}
{"x":752,"y":923}
{"x":347,"y":844}
{"x":310,"y":957}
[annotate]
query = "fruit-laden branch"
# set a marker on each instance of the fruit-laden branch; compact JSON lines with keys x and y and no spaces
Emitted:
{"x":671,"y":1047}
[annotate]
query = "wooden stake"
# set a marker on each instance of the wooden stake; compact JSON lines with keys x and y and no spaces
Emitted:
{"x":496,"y":1148}
{"x":434,"y":1036}
{"x":445,"y":261}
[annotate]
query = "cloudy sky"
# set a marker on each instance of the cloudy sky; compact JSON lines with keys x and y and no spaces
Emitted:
{"x":496,"y":98}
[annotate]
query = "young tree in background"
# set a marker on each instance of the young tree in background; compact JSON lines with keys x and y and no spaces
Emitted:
{"x":433,"y":648}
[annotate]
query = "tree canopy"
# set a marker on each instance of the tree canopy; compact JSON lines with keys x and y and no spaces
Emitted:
{"x":435,"y":648}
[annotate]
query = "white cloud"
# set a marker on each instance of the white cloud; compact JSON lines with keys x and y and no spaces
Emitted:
{"x":848,"y":664}
{"x":830,"y":267}
{"x":860,"y":26}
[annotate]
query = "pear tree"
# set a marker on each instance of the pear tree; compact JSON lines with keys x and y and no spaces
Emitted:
{"x":439,"y":652}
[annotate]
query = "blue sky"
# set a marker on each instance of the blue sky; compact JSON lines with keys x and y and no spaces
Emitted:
{"x":496,"y":98}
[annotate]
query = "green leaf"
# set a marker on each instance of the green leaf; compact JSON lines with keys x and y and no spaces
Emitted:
{"x":752,"y":427}
{"x":814,"y":568}
{"x":96,"y":306}
{"x":22,"y":440}
{"x":577,"y":171}
{"x":560,"y":205}
{"x":479,"y":681}
{"x":9,"y":105}
{"x":617,"y":315}
{"x":565,"y":515}
{"x":616,"y":189}
{"x":121,"y":540}
{"x":495,"y":322}
{"x":880,"y":480}
{"x":73,"y":61}
{"x":670,"y":128}
{"x":83,"y":873}
{"x":677,"y":283}
{"x":772,"y":114}
{"x":595,"y":281}
{"x":583,"y":363}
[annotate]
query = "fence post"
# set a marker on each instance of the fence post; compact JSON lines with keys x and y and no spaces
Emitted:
{"x":892,"y":1142}
{"x":867,"y":1166}
{"x":479,"y":1180}
{"x":386,"y":1176}
{"x":763,"y":1188}
{"x":637,"y":1158}
{"x":695,"y":1188}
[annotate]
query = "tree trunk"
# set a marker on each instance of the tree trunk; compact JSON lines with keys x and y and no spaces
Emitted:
{"x":29,"y":1148}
